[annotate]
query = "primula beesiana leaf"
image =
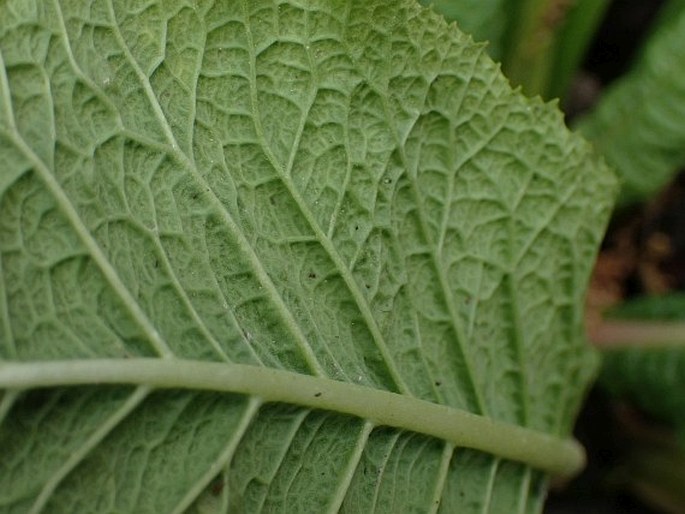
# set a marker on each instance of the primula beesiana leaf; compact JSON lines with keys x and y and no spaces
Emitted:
{"x":649,"y":367}
{"x":336,"y":194}
{"x":668,"y":307}
{"x":648,"y":376}
{"x":638,"y":124}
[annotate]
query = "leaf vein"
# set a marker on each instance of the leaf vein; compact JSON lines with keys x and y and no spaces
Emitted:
{"x":78,"y":456}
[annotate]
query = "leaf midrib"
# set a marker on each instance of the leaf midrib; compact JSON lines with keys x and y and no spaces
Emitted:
{"x":382,"y":408}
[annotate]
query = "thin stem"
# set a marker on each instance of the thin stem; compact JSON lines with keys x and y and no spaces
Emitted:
{"x":613,"y":335}
{"x":531,"y":41}
{"x":571,"y":43}
{"x":461,"y":428}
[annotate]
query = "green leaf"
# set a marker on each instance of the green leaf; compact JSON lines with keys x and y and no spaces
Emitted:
{"x":669,"y":307}
{"x":648,"y":376}
{"x":486,"y":20}
{"x":259,"y":257}
{"x":644,"y":360}
{"x":638,"y":124}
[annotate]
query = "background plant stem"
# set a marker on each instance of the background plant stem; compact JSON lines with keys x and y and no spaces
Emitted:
{"x":616,"y":334}
{"x":546,"y":40}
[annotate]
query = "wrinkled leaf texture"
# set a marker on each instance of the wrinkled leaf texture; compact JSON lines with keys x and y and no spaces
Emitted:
{"x":485,"y":20}
{"x":344,"y":189}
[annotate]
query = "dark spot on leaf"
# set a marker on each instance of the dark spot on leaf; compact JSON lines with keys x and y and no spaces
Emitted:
{"x":438,"y":383}
{"x":316,"y":395}
{"x":312,"y":275}
{"x":156,"y":264}
{"x":356,"y":227}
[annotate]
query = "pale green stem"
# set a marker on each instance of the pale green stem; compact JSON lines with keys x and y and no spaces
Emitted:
{"x":529,"y":46}
{"x":534,"y":39}
{"x":612,"y":335}
{"x":572,"y":41}
{"x":461,"y":428}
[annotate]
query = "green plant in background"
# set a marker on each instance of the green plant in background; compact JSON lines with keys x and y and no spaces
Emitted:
{"x":317,"y":257}
{"x":638,"y":126}
{"x":644,"y":363}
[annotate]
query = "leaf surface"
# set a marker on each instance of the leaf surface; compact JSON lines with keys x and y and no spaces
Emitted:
{"x":348,"y":191}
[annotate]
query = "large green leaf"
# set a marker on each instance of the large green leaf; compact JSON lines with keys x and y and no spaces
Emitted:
{"x":303,"y":257}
